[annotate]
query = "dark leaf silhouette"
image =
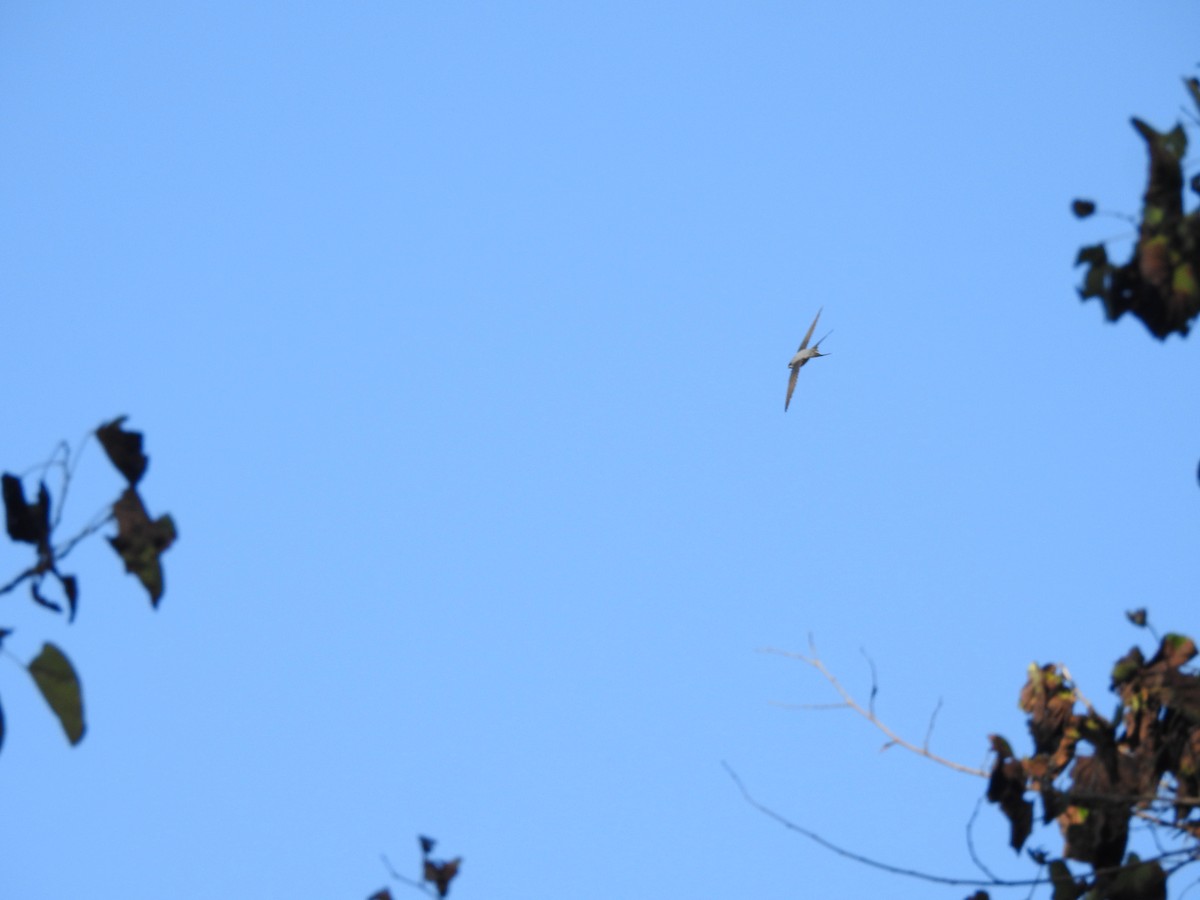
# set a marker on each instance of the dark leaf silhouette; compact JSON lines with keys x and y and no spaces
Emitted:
{"x":141,"y":541}
{"x":383,"y":894}
{"x":1096,"y":829}
{"x":440,"y":874}
{"x":1006,"y":787}
{"x":55,"y":678}
{"x":124,"y":449}
{"x":71,"y":588}
{"x":35,"y":591}
{"x":1146,"y":757}
{"x":1193,"y":88}
{"x":1137,"y":881}
{"x":433,"y":871}
{"x":28,"y":523}
{"x":1065,"y":885}
{"x":1160,"y":284}
{"x":1083,"y":208}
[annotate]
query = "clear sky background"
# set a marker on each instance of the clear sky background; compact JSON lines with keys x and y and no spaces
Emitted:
{"x":459,"y":332}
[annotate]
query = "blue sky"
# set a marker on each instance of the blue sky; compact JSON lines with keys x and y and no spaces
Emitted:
{"x":459,"y":332}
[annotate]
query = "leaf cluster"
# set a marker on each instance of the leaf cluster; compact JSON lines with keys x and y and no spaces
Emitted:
{"x":1094,"y":775}
{"x":436,"y":874}
{"x":1160,"y":283}
{"x":140,"y":542}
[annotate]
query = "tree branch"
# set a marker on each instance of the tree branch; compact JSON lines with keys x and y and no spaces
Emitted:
{"x":866,"y":860}
{"x":868,"y":712}
{"x":420,"y":886}
{"x":1186,"y":856}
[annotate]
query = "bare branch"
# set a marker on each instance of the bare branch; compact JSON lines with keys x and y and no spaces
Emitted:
{"x":1186,"y":855}
{"x":817,"y":707}
{"x":971,"y":841}
{"x":866,"y":860}
{"x":868,"y":713}
{"x":101,"y":519}
{"x":16,"y":581}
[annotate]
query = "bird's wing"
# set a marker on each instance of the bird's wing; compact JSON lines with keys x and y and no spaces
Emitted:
{"x":811,"y":329}
{"x":791,"y":386}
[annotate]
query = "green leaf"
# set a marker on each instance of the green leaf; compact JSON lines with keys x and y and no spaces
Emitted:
{"x":56,"y":679}
{"x":1127,"y":666}
{"x":1176,"y":650}
{"x":1184,"y":285}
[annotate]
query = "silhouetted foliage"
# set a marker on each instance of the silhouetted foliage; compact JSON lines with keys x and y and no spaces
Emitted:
{"x":1160,"y":283}
{"x":1092,"y":776}
{"x":1143,"y":763}
{"x":436,"y":874}
{"x":139,"y":541}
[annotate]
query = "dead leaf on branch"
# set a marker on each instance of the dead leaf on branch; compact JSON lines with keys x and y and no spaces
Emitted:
{"x":437,"y":872}
{"x":140,"y":541}
{"x":1160,"y":283}
{"x":28,"y":523}
{"x":440,"y":874}
{"x":1006,"y":787}
{"x":124,"y":449}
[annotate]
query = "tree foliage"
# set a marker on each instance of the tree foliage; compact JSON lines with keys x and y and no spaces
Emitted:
{"x":139,"y":541}
{"x":436,"y":874}
{"x":1160,"y":282}
{"x":1141,"y":764}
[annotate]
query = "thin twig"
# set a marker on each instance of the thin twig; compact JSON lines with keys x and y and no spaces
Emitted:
{"x":866,"y":860}
{"x":1188,"y":889}
{"x":932,"y":720}
{"x":818,"y":707}
{"x":1033,"y":887}
{"x":874,"y":675}
{"x":98,"y":521}
{"x":64,"y":449}
{"x":1187,"y":854}
{"x":28,"y":573}
{"x":39,"y":568}
{"x":869,"y":714}
{"x":420,"y":886}
{"x":971,"y":841}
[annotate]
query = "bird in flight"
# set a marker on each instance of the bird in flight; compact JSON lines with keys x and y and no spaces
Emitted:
{"x":803,"y":355}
